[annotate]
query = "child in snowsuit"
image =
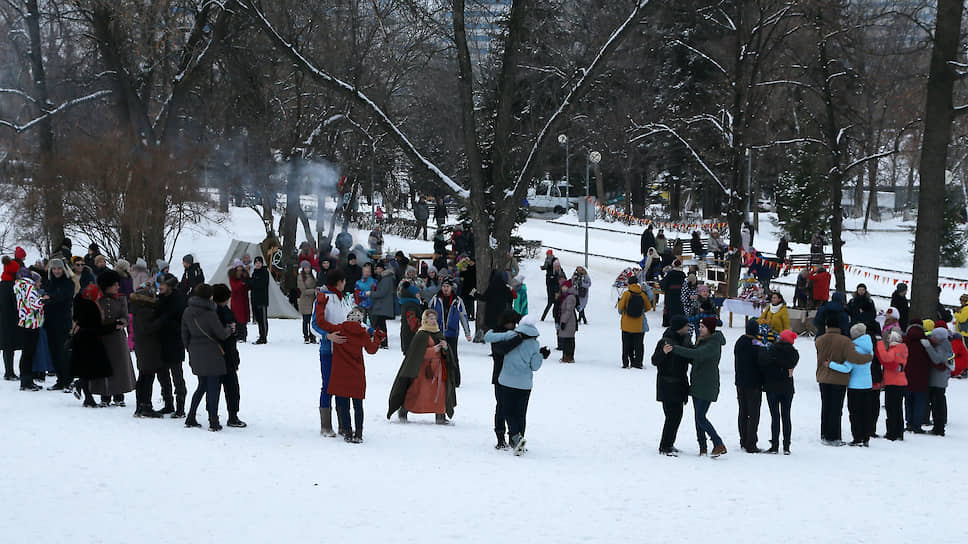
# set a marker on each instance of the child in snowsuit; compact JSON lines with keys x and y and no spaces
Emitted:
{"x":348,"y":378}
{"x":859,"y":387}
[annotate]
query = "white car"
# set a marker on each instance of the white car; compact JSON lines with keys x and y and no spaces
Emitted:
{"x":550,"y":196}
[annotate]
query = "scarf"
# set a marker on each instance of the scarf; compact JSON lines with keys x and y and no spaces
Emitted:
{"x":428,"y":322}
{"x":775,"y":309}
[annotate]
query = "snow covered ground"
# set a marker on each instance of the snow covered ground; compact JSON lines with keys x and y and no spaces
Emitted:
{"x":592,"y":474}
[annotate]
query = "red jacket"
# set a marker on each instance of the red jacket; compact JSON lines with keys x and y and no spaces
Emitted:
{"x":891,"y":360}
{"x":348,"y":378}
{"x":821,"y":285}
{"x":240,"y":300}
{"x":961,"y":355}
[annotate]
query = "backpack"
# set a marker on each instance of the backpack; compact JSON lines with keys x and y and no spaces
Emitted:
{"x":635,"y":306}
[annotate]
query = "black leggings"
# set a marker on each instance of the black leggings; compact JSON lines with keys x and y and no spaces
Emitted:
{"x":343,"y":415}
{"x":306,"y":318}
{"x":30,"y":336}
{"x":513,"y":403}
{"x":780,"y":404}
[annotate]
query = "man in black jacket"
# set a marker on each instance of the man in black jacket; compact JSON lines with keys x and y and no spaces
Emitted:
{"x":749,"y":386}
{"x":421,"y":212}
{"x":352,"y":271}
{"x":58,"y":301}
{"x":171,"y":305}
{"x":899,"y":300}
{"x":259,"y":290}
{"x":671,"y":382}
{"x":647,"y":241}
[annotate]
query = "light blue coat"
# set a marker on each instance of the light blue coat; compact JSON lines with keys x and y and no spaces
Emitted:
{"x":860,"y":375}
{"x":521,"y":362}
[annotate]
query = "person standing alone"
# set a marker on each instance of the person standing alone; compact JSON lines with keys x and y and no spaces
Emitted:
{"x":632,"y":306}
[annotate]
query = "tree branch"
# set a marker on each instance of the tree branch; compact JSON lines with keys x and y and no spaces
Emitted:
{"x":59,"y":109}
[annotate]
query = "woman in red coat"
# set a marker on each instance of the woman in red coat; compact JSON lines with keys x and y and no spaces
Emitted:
{"x":821,"y":285}
{"x":918,"y":370}
{"x":239,"y":283}
{"x":348,"y":377}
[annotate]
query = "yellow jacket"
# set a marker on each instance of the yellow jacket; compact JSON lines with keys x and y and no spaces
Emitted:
{"x":961,"y":316}
{"x":633,"y":324}
{"x":779,"y":321}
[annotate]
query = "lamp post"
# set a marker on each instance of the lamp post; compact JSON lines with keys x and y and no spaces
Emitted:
{"x":563,"y":140}
{"x":593,"y":158}
{"x":749,"y":181}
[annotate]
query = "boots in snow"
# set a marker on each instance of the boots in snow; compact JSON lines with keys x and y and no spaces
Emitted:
{"x":786,"y":448}
{"x":213,"y":424}
{"x":234,"y":421}
{"x":402,"y":414}
{"x":168,"y":408}
{"x":145,"y":410}
{"x":441,"y":419}
{"x":501,"y":444}
{"x":191,"y":421}
{"x":179,"y":408}
{"x":774,"y":448}
{"x":326,"y":422}
{"x":517,"y":444}
{"x":718,"y":451}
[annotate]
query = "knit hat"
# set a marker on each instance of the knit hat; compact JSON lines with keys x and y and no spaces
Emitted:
{"x":122,"y":265}
{"x":77,"y":259}
{"x":549,"y":252}
{"x":170,"y":280}
{"x":237,"y":263}
{"x":858,"y":330}
{"x":928,"y":326}
{"x":691,"y":278}
{"x":940,"y":325}
{"x":161,"y":264}
{"x":94,"y":247}
{"x":859,"y":285}
{"x":703,"y":288}
{"x":140,"y":264}
{"x":302,"y":264}
{"x":753,"y":327}
{"x":221,"y":293}
{"x":710,"y":323}
{"x":56,"y":263}
{"x":19,"y":253}
{"x":895,"y":337}
{"x":10,"y":270}
{"x":788,"y":336}
{"x":188,"y":259}
{"x":259,"y":259}
{"x":677,"y":322}
{"x":633,"y":279}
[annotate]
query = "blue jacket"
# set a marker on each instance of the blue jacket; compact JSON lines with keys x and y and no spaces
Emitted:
{"x":456,"y":317}
{"x":860,"y":375}
{"x":363,"y":286}
{"x":521,"y":362}
{"x":836,"y":304}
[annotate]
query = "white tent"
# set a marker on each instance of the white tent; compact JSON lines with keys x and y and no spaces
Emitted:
{"x":279,"y":306}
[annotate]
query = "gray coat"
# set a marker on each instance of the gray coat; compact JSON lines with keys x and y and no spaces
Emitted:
{"x":941,"y":355}
{"x":307,"y":293}
{"x":201,"y":333}
{"x":122,"y":378}
{"x":147,"y":330}
{"x":383,"y":295}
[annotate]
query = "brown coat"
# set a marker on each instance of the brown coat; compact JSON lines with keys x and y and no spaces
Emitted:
{"x":834,"y":346}
{"x":122,"y":378}
{"x":307,"y":293}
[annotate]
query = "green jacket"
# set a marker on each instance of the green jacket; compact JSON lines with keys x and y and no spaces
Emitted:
{"x":704,"y":376}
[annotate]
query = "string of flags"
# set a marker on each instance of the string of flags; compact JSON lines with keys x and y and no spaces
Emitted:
{"x":682,"y":227}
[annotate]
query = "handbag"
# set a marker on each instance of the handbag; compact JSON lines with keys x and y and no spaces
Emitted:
{"x":217,"y":343}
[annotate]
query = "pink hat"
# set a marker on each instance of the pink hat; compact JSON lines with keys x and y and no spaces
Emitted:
{"x":788,"y":336}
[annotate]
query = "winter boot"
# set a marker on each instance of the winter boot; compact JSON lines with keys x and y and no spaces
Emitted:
{"x":402,"y":414}
{"x":191,"y":421}
{"x":501,"y":444}
{"x":517,"y":444}
{"x":774,"y":448}
{"x":358,"y":437}
{"x":213,"y":424}
{"x":718,"y":451}
{"x":703,"y":451}
{"x":145,"y":410}
{"x":234,"y":421}
{"x":168,"y":408}
{"x":326,"y":421}
{"x":786,"y":448}
{"x":179,"y":408}
{"x":441,"y":419}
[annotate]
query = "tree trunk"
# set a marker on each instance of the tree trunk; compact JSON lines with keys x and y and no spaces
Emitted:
{"x":288,"y":234}
{"x":53,"y":194}
{"x":938,"y":119}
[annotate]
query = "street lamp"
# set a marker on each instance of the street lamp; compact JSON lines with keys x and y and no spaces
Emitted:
{"x":593,"y":158}
{"x":563,"y":140}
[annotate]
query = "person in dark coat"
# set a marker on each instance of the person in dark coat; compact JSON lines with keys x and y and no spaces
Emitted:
{"x":861,"y":307}
{"x":192,"y":276}
{"x":672,"y":287}
{"x":148,"y":348}
{"x":777,"y":364}
{"x":382,"y":309}
{"x":11,"y":338}
{"x":497,"y":299}
{"x":89,"y":359}
{"x":171,"y":305}
{"x":467,"y":272}
{"x":84,"y":275}
{"x":440,"y":212}
{"x":222,"y":295}
{"x":672,"y":382}
{"x":554,"y":275}
{"x":749,"y":385}
{"x":114,"y":307}
{"x":58,"y":302}
{"x":421,"y":212}
{"x":202,"y":334}
{"x":940,"y":312}
{"x":836,"y":307}
{"x":92,"y":253}
{"x":918,"y":371}
{"x":647,"y":241}
{"x":782,"y":249}
{"x":417,"y":368}
{"x":352,"y":271}
{"x":899,"y":300}
{"x":259,"y":289}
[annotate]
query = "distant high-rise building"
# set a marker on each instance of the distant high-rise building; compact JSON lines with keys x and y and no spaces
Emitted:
{"x":482,"y":22}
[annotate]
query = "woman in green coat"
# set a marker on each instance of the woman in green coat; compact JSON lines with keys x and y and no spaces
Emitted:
{"x":704,"y":380}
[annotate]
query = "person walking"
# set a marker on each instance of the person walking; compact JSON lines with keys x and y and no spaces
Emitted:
{"x":202,"y":334}
{"x":259,"y":288}
{"x":704,"y":381}
{"x":777,"y":364}
{"x":832,"y":345}
{"x":749,"y":386}
{"x":306,"y":283}
{"x":671,"y":381}
{"x":893,"y":355}
{"x":553,"y":278}
{"x":632,"y":307}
